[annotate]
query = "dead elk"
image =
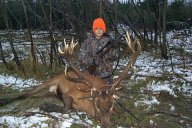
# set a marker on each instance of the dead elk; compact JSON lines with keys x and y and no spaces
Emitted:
{"x":82,"y":91}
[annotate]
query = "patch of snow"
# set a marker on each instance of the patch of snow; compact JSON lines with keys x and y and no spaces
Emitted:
{"x":165,"y":86}
{"x":155,"y":87}
{"x":39,"y":121}
{"x":66,"y":123}
{"x":172,"y":108}
{"x":23,"y":122}
{"x":151,"y":121}
{"x":16,"y":82}
{"x":147,"y":101}
{"x":186,"y":88}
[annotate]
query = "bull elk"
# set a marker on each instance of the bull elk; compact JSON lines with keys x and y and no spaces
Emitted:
{"x":82,"y":91}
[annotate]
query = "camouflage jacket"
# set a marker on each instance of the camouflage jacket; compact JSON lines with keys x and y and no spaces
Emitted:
{"x":88,"y":56}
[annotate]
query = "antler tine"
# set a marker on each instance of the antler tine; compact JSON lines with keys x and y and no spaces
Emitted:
{"x":65,"y":49}
{"x":60,"y":51}
{"x":70,"y":49}
{"x":132,"y":60}
{"x":66,"y":46}
{"x":72,"y":46}
{"x":128,"y":40}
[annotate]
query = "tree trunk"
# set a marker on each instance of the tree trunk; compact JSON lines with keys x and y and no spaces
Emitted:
{"x":141,"y":15}
{"x":164,"y":45}
{"x":16,"y":58}
{"x":30,"y":36}
{"x":159,"y":23}
{"x":7,"y":65}
{"x":156,"y":31}
{"x":101,"y":8}
{"x":53,"y":50}
{"x":50,"y":24}
{"x":115,"y":16}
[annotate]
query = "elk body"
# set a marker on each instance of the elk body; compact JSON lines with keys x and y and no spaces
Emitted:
{"x":84,"y":92}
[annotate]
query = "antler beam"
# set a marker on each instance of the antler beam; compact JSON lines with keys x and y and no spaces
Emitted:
{"x":133,"y":58}
{"x":67,"y":52}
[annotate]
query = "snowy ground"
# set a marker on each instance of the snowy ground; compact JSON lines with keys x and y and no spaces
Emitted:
{"x":146,"y":66}
{"x":17,"y":83}
{"x":43,"y":121}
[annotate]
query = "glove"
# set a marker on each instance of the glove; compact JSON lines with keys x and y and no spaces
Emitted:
{"x":97,"y":60}
{"x":92,"y":68}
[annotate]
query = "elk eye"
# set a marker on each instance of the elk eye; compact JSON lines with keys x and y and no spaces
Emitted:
{"x":95,"y":93}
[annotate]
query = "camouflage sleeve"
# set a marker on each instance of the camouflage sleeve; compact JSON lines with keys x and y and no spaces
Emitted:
{"x":84,"y":55}
{"x":112,"y":55}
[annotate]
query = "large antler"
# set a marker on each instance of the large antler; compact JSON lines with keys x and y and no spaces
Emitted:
{"x":68,"y":48}
{"x":134,"y":53}
{"x":67,"y":52}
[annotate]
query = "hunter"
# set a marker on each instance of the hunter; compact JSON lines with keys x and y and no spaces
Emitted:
{"x":97,"y":53}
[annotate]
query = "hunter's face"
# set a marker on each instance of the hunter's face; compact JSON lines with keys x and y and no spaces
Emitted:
{"x":98,"y":32}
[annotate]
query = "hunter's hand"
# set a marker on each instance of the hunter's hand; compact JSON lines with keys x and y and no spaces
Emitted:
{"x":97,"y":60}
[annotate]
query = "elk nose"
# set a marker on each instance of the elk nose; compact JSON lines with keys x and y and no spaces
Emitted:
{"x":106,"y":126}
{"x":105,"y":122}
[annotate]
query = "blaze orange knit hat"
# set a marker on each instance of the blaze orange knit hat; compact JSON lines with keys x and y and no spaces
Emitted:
{"x":99,"y":23}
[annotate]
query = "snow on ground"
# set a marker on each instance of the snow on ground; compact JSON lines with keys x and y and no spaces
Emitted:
{"x":149,"y":66}
{"x":180,"y":39}
{"x":22,"y":122}
{"x":16,"y":82}
{"x":185,"y":88}
{"x":23,"y":50}
{"x":146,"y":64}
{"x":44,"y":121}
{"x":147,"y":101}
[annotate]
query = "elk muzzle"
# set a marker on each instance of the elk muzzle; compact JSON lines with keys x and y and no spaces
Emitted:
{"x":104,"y":104}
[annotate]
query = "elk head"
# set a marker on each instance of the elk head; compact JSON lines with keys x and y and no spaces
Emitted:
{"x":103,"y":98}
